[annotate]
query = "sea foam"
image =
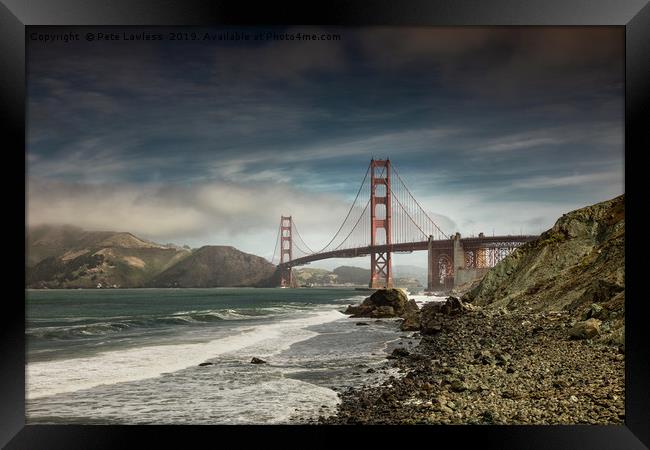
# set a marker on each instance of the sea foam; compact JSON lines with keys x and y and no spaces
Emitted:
{"x":68,"y":375}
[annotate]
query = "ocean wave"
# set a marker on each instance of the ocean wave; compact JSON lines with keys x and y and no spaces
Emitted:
{"x":46,"y":378}
{"x":111,"y":325}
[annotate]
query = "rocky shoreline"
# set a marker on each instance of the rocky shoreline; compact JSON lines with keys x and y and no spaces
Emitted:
{"x":539,"y":340}
{"x":495,"y":366}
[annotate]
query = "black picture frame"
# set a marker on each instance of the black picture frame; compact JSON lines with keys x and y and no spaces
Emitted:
{"x":16,"y":15}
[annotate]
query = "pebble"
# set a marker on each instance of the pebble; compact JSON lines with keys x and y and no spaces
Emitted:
{"x":527,"y":378}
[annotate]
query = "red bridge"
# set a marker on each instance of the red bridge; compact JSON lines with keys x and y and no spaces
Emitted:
{"x":392,"y":221}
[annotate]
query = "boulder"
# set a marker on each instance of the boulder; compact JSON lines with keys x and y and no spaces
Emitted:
{"x":383,"y":311}
{"x":411,"y":316}
{"x":596,"y":311}
{"x":382,"y":303}
{"x":257,"y":361}
{"x":432,"y":314}
{"x":400,"y":352}
{"x":585,"y":329}
{"x":205,"y":364}
{"x":357,"y":310}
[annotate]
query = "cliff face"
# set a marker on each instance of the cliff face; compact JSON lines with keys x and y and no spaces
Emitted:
{"x":578,"y":266}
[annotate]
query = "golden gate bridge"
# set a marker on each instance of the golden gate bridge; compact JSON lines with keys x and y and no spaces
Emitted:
{"x":385,"y":218}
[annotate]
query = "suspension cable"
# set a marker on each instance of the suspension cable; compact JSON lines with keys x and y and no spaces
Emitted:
{"x":417,"y":203}
{"x":407,"y":213}
{"x":383,"y":169}
{"x":349,"y":212}
{"x":295,"y":244}
{"x":299,"y":236}
{"x":276,"y":245}
{"x":355,"y":225}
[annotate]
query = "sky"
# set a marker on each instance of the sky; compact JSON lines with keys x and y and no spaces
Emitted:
{"x":208,"y":142}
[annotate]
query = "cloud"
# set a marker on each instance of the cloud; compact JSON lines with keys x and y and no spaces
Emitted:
{"x":176,"y":212}
{"x":518,"y":142}
{"x":570,"y":180}
{"x":210,"y":143}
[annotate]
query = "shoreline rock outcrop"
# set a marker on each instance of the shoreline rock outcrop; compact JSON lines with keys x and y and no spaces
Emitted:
{"x":411,"y":317}
{"x":540,"y":340}
{"x":577,"y":266}
{"x":382,"y":303}
{"x":386,"y":303}
{"x":432,"y":316}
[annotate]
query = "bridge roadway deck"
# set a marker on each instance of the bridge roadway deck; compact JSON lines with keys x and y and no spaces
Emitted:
{"x":445,"y":244}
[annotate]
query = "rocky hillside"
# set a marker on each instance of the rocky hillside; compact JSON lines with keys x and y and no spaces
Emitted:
{"x":577,"y":266}
{"x":217,"y":266}
{"x":69,"y":257}
{"x":349,"y":275}
{"x":352,"y":275}
{"x":306,"y":276}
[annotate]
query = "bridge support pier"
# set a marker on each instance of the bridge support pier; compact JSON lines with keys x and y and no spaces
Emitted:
{"x":442,"y":264}
{"x":286,"y":247}
{"x":433,"y":269}
{"x":458,"y":253}
{"x":381,"y":271}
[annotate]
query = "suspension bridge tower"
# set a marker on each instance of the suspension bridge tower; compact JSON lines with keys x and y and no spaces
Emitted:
{"x":286,"y":278}
{"x":381,"y":272}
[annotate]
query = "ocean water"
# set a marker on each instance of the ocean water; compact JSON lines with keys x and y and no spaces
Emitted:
{"x":131,"y":356}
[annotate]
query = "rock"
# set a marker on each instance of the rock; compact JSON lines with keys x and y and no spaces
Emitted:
{"x":432,"y":314}
{"x":382,"y":303}
{"x":586,"y":329}
{"x":458,"y":386}
{"x":371,"y":370}
{"x":358,"y":311}
{"x":445,"y":409}
{"x":597,"y":312}
{"x":502,"y":358}
{"x":454,"y":305}
{"x":257,"y":361}
{"x":510,"y":393}
{"x":484,"y":357}
{"x":382,"y":311}
{"x":411,"y":307}
{"x":411,"y":317}
{"x":206,"y":364}
{"x":400,"y":352}
{"x":601,"y":290}
{"x":361,"y":324}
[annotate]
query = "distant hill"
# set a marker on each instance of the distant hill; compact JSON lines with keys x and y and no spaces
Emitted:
{"x":70,"y":257}
{"x":216,"y":266}
{"x":416,"y":272}
{"x":308,"y":276}
{"x":349,"y":274}
{"x":65,"y":256}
